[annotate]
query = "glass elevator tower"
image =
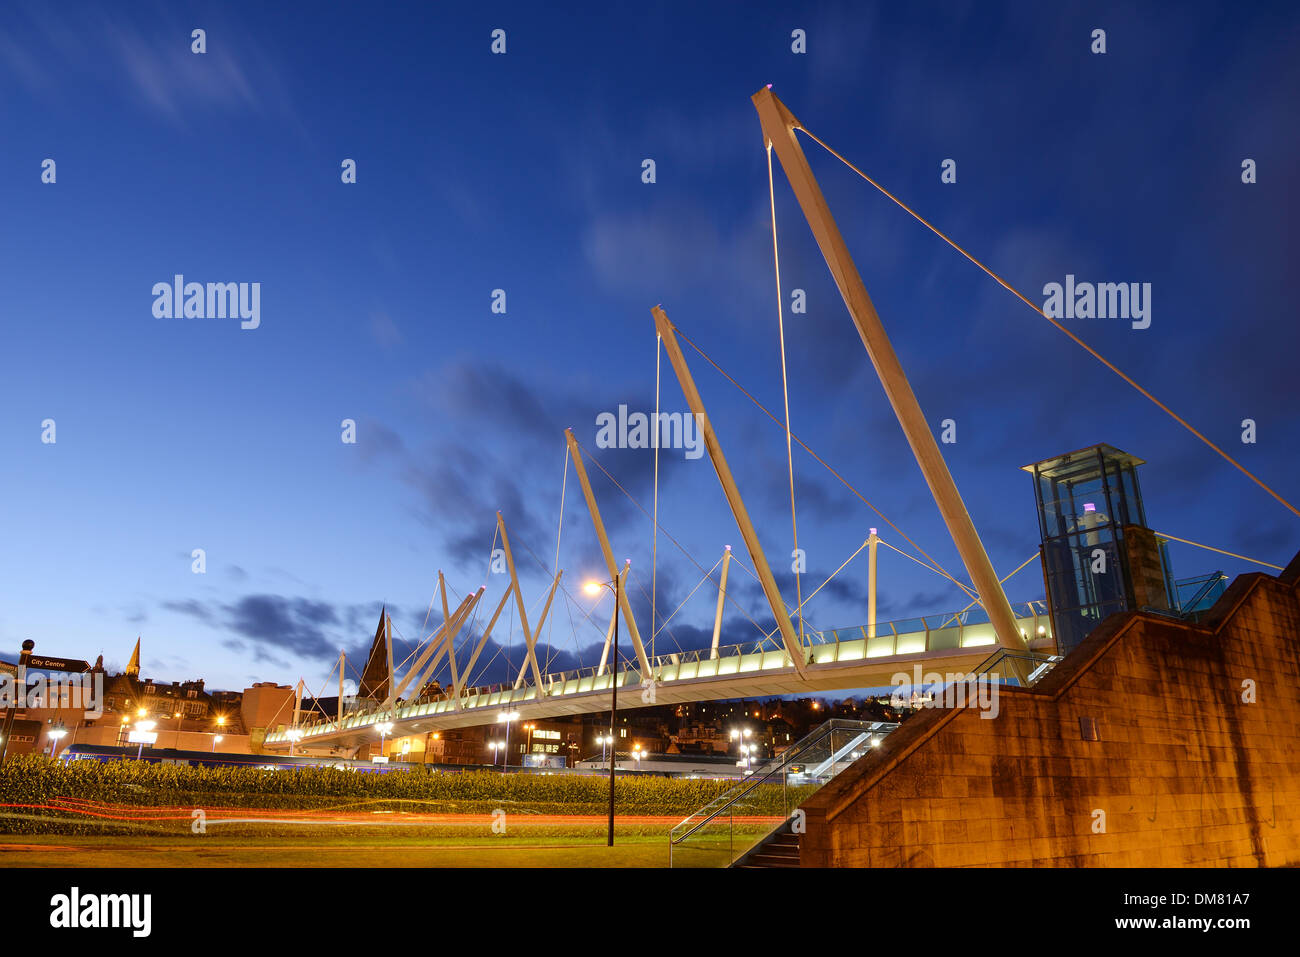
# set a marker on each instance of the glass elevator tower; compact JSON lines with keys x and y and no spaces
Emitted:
{"x":1099,"y":556}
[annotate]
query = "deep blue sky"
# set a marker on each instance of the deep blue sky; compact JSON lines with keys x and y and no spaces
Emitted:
{"x":522,"y":172}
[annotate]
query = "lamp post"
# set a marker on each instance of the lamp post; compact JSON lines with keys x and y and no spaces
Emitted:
{"x":593,"y":588}
{"x":496,"y":746}
{"x":20,"y":691}
{"x":177,"y":716}
{"x":505,"y":717}
{"x":742,"y":735}
{"x":383,"y":727}
{"x":216,"y":740}
{"x":528,"y":748}
{"x":294,"y":735}
{"x":143,"y":727}
{"x":56,"y":734}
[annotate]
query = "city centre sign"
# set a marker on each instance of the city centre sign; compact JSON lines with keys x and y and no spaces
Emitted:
{"x":42,"y":663}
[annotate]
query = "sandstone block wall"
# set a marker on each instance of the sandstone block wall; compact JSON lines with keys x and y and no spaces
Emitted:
{"x":1185,"y":772}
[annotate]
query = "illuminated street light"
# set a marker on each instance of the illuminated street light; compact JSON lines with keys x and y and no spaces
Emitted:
{"x":747,"y":754}
{"x":593,"y":588}
{"x":216,"y":740}
{"x":505,"y":717}
{"x":143,"y":727}
{"x":384,"y":728}
{"x":56,"y":734}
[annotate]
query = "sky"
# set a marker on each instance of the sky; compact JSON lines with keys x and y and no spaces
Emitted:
{"x":522,"y":171}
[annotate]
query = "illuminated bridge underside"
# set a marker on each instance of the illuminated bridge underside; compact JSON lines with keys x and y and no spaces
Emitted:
{"x":836,"y":661}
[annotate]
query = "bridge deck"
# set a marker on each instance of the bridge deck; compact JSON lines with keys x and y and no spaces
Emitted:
{"x":841,"y":659}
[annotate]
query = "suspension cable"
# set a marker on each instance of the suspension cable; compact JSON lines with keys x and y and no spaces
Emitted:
{"x":654,"y":521}
{"x":1220,"y":551}
{"x":693,"y":591}
{"x":1010,"y":575}
{"x":668,"y":534}
{"x":785,"y":393}
{"x":969,"y":593}
{"x":820,"y":461}
{"x":1078,"y":341}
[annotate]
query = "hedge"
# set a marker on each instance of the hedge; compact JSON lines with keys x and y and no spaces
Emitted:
{"x":35,"y":780}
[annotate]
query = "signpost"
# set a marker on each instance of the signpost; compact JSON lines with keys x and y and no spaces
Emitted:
{"x":42,"y":663}
{"x":12,"y":711}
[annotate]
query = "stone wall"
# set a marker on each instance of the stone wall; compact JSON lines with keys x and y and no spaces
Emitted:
{"x":1185,"y":772}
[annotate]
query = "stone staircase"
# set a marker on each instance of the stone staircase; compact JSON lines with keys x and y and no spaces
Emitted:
{"x":781,"y":849}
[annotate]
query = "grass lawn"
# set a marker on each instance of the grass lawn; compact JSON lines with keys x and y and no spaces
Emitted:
{"x":368,"y":850}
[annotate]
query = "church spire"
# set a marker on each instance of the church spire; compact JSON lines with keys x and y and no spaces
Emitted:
{"x":133,"y":666}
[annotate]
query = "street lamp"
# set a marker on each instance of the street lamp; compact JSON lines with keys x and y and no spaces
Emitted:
{"x":56,"y":734}
{"x":593,"y":588}
{"x":294,"y":735}
{"x":216,"y":740}
{"x":384,"y":728}
{"x":505,"y":717}
{"x":528,"y":748}
{"x":747,"y":752}
{"x":177,"y":716}
{"x":746,"y":749}
{"x":637,"y":754}
{"x":496,"y":746}
{"x":143,"y":727}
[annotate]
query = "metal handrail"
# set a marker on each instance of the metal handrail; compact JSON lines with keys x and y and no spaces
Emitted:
{"x":771,"y":767}
{"x":630,"y":671}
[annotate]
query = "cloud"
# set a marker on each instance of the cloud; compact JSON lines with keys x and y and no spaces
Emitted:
{"x":385,"y":331}
{"x":149,"y":48}
{"x":271,"y":627}
{"x":191,"y":607}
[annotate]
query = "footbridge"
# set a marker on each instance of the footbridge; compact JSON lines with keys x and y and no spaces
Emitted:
{"x":793,"y":657}
{"x":836,"y":660}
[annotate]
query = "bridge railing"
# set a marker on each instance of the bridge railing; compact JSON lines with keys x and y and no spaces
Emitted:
{"x":969,"y":628}
{"x":732,"y":823}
